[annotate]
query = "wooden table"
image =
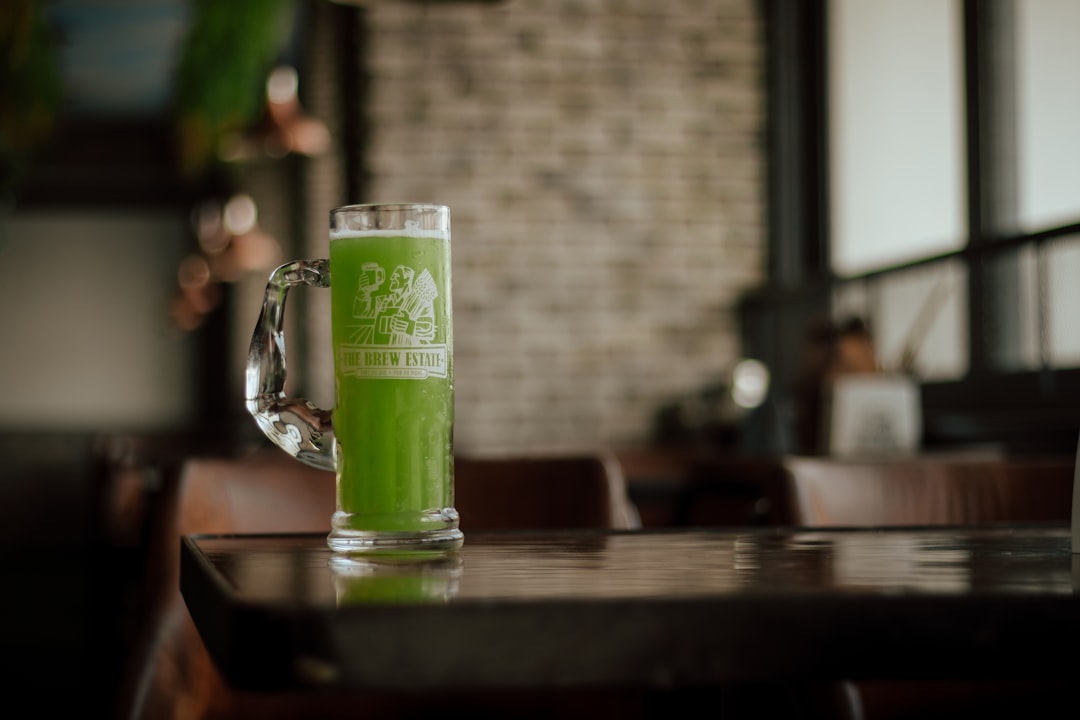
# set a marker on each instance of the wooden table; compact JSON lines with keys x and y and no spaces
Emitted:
{"x":663,"y":609}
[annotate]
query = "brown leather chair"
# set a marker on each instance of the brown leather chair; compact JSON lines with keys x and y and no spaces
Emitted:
{"x":542,"y":491}
{"x":171,"y":674}
{"x":960,"y":489}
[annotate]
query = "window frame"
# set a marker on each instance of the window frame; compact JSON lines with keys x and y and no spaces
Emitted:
{"x":1017,"y":412}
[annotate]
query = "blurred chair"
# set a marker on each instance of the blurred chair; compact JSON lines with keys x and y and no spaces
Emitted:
{"x":957,"y":489}
{"x":947,"y":489}
{"x":555,"y":491}
{"x":171,"y":674}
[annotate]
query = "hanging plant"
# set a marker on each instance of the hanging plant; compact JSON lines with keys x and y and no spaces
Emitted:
{"x":222,"y":70}
{"x":30,"y":78}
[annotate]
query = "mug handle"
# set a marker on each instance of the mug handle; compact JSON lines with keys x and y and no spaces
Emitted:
{"x":296,"y":425}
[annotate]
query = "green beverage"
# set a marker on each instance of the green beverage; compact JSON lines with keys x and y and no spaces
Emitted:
{"x":393,"y":367}
{"x":389,"y":437}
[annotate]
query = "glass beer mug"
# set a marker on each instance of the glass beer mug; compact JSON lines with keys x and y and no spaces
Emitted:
{"x":389,"y":437}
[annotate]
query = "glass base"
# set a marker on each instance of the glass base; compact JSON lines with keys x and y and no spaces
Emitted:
{"x":355,"y":542}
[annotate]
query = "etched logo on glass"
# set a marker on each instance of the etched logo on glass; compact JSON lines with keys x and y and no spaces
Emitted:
{"x":394,"y":325}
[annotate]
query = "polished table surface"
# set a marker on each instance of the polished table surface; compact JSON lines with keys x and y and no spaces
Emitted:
{"x":663,"y":609}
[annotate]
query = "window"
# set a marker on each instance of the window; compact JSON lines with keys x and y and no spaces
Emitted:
{"x":923,"y":173}
{"x":1048,"y":105}
{"x":896,"y":161}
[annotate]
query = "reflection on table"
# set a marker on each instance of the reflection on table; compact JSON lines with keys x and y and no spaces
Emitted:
{"x":527,"y":568}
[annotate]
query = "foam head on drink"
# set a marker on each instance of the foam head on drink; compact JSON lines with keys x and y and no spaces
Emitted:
{"x":393,"y":367}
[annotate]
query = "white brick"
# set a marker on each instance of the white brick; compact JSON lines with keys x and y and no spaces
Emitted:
{"x":603,"y":168}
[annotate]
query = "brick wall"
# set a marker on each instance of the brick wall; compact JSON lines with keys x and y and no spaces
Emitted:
{"x":603,"y":166}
